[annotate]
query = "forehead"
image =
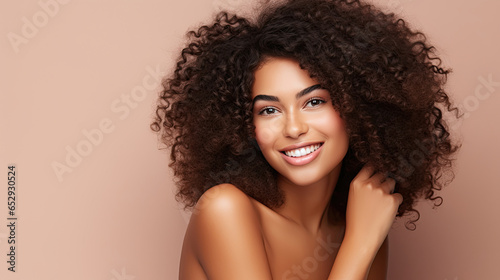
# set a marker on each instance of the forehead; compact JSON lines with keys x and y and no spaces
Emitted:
{"x":277,"y":76}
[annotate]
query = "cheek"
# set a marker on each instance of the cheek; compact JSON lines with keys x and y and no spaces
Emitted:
{"x":333,"y":123}
{"x":263,"y":136}
{"x":266,"y":132}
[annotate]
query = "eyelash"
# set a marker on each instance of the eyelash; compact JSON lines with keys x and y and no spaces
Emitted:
{"x":263,"y":110}
{"x":316,"y":99}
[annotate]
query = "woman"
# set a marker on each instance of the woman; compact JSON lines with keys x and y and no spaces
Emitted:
{"x":299,"y":137}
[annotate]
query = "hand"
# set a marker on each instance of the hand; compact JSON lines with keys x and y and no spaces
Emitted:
{"x":371,"y":207}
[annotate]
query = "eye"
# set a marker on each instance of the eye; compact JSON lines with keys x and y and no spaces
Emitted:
{"x":268,"y":111}
{"x":314,"y":102}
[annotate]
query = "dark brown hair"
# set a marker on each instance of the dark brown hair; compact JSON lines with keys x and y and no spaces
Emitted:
{"x":384,"y":78}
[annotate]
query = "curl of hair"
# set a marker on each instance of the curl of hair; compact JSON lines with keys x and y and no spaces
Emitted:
{"x":384,"y":78}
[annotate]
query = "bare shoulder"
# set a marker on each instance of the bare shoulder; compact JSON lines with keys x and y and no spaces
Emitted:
{"x":224,"y":195}
{"x":222,"y":204}
{"x":225,"y":235}
{"x":225,"y":201}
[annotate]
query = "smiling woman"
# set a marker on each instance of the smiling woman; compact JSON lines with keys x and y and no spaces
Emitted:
{"x":290,"y":132}
{"x":296,"y":127}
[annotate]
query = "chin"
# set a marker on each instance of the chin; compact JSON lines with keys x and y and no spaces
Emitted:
{"x":307,"y":177}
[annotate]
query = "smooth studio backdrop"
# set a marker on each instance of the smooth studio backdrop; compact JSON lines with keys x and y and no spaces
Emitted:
{"x":94,"y":195}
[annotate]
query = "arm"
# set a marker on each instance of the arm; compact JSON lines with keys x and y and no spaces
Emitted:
{"x":225,"y":232}
{"x":371,"y":209}
{"x":353,"y":261}
{"x":378,"y":270}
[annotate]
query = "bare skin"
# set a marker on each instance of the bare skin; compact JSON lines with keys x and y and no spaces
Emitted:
{"x":232,"y":236}
{"x":289,"y":255}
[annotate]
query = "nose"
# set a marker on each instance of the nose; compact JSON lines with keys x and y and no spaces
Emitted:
{"x":294,"y":126}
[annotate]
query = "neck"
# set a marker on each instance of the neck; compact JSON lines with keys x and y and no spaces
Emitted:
{"x":307,"y":206}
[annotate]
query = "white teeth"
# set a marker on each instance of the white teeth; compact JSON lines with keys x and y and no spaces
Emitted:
{"x":302,"y":151}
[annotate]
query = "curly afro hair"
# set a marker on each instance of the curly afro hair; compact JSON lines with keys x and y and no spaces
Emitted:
{"x":384,"y":78}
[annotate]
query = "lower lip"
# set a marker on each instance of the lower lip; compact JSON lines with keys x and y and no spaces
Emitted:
{"x":302,"y":160}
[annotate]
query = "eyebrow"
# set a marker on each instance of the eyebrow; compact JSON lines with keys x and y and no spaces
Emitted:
{"x":297,"y":96}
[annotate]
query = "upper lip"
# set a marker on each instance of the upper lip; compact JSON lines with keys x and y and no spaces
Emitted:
{"x":299,"y":145}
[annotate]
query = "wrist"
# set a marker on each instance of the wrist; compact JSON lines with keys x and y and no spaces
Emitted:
{"x":354,"y":259}
{"x":364,"y":243}
{"x":362,"y":247}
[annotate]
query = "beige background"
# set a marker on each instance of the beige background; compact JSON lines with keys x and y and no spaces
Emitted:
{"x":70,"y":69}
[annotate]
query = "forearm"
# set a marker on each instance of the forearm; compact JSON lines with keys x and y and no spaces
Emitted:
{"x":353,"y":261}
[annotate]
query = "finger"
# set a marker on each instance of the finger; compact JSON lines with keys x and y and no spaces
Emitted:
{"x":398,"y":197}
{"x":388,"y":185}
{"x":365,"y":172}
{"x":378,"y":177}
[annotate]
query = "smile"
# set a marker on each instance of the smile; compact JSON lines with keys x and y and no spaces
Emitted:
{"x":302,"y":155}
{"x":303,"y":151}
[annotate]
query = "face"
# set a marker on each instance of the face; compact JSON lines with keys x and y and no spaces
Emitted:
{"x":296,"y":127}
